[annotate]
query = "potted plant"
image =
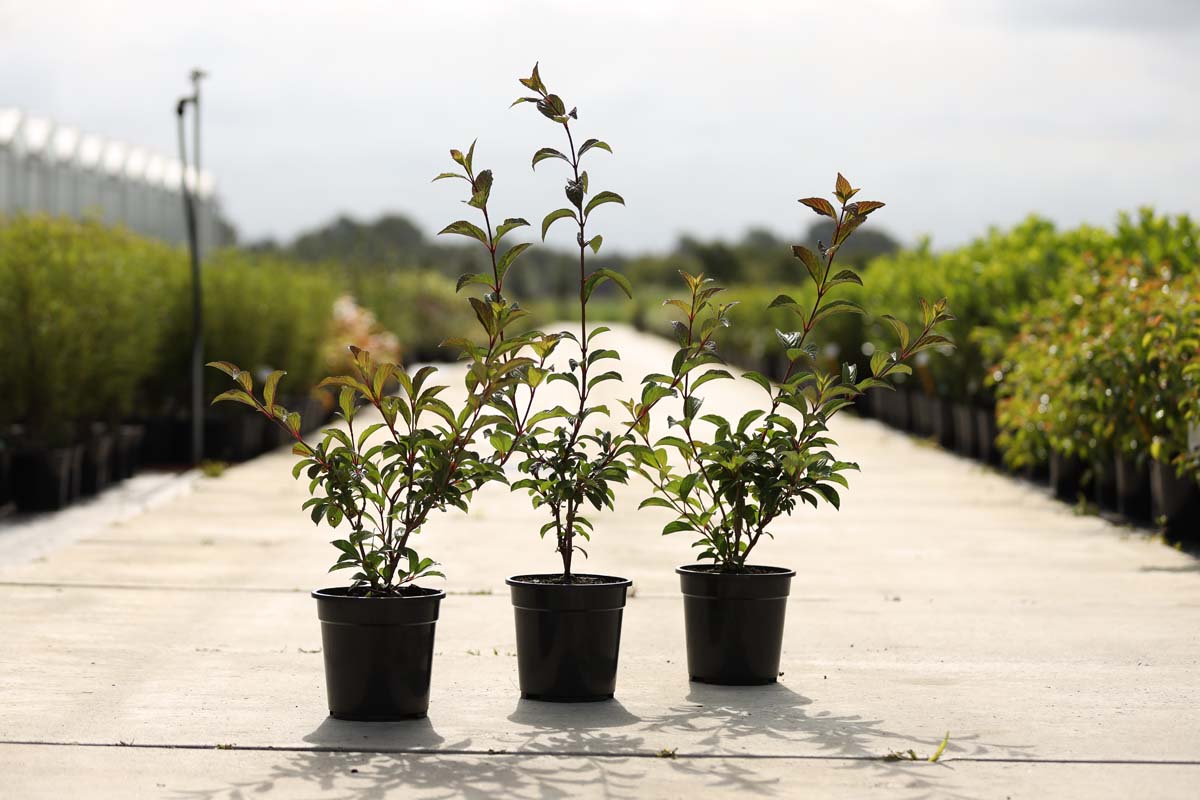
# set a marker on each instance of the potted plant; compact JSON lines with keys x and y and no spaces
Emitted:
{"x":568,"y":623}
{"x":377,"y":483}
{"x":731,"y":479}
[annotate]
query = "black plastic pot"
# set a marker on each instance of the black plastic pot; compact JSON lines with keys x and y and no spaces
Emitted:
{"x":1133,"y":488}
{"x":1104,"y":485}
{"x":899,"y":409}
{"x":734,"y":623}
{"x":378,"y":653}
{"x":985,"y":435}
{"x":568,"y":637}
{"x":6,"y":459}
{"x":127,"y":452}
{"x":168,"y":441}
{"x":43,"y":479}
{"x":964,"y":429}
{"x":97,"y":463}
{"x":1066,"y":476}
{"x":941,"y":422}
{"x":1175,"y":501}
{"x":235,"y":436}
{"x":919,"y":409}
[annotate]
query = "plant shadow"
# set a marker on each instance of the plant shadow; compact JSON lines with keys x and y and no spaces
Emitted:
{"x":733,"y":720}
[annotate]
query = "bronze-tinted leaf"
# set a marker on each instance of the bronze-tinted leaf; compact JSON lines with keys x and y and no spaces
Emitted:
{"x":820,"y":205}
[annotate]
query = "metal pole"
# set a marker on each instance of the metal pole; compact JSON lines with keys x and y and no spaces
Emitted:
{"x":189,"y":211}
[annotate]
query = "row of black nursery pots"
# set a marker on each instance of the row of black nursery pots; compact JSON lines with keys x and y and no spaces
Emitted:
{"x":379,"y":651}
{"x":1139,"y":490}
{"x":967,"y":429}
{"x":37,"y":477}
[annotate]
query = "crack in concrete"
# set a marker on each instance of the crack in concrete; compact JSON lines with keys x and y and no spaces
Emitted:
{"x":425,"y":751}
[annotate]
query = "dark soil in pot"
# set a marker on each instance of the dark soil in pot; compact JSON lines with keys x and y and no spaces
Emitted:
{"x":734,"y":623}
{"x":568,"y":635}
{"x":1133,"y":488}
{"x":378,"y":653}
{"x":43,"y":478}
{"x":1175,"y":502}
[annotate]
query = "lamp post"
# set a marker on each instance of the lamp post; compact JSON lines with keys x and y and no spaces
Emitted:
{"x":189,"y":215}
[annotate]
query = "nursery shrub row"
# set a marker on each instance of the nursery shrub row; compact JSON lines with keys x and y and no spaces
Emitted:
{"x":1076,"y":355}
{"x":95,"y":349}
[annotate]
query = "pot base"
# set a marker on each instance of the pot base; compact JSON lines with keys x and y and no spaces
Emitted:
{"x":547,"y":698}
{"x":745,"y":682}
{"x":378,"y":718}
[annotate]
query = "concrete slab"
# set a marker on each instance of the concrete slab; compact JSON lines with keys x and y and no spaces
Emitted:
{"x":943,"y":597}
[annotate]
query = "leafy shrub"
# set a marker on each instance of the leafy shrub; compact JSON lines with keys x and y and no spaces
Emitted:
{"x":1110,"y":364}
{"x":82,"y":306}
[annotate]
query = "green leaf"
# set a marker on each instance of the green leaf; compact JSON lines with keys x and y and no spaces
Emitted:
{"x":269,"y":389}
{"x":782,"y":300}
{"x":879,"y":360}
{"x":237,"y":396}
{"x":602,"y":198}
{"x":445,"y":175}
{"x":590,"y":143}
{"x":846,"y":276}
{"x":812,"y":262}
{"x":506,"y":260}
{"x":464,"y":228}
{"x":595,"y":243}
{"x":900,"y":328}
{"x":509,"y":224}
{"x":554,"y":216}
{"x":837,"y":307}
{"x":228,"y":367}
{"x":616,"y":277}
{"x":655,"y":502}
{"x":471,"y":277}
{"x":483,"y":189}
{"x":760,"y":379}
{"x":547,"y":152}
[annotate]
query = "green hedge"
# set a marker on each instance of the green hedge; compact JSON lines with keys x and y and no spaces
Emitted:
{"x":84,"y":314}
{"x":1109,"y":364}
{"x":97,"y":322}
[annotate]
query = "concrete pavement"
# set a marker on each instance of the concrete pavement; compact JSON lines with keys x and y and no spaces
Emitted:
{"x":176,"y":653}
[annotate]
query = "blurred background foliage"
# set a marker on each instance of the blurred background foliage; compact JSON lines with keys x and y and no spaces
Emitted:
{"x":1083,"y":340}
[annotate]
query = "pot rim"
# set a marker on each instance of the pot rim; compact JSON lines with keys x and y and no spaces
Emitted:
{"x":777,"y":572}
{"x":611,"y":581}
{"x":337,"y":594}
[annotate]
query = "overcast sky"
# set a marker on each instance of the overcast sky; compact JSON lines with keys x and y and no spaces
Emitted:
{"x":721,"y":114}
